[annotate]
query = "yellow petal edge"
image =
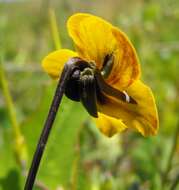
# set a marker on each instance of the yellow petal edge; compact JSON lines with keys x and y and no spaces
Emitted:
{"x":142,"y":116}
{"x":54,"y":62}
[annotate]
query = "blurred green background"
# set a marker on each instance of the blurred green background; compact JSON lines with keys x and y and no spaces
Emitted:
{"x":77,"y":156}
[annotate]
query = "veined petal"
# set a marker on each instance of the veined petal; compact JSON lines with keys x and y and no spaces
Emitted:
{"x":109,"y":126}
{"x":126,"y":67}
{"x":54,"y":62}
{"x":92,"y":37}
{"x":95,"y":38}
{"x":142,"y":116}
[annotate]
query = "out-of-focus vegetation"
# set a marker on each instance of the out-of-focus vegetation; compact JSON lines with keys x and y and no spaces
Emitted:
{"x":77,"y":156}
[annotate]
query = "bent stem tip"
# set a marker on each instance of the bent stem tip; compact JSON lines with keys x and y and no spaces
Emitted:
{"x":68,"y":69}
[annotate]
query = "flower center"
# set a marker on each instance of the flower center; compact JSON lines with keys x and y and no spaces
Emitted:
{"x":82,"y":86}
{"x":87,"y":85}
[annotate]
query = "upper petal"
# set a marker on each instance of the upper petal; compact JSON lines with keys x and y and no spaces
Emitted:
{"x":92,"y":37}
{"x":109,"y":126}
{"x":95,"y":38}
{"x":126,"y":68}
{"x":54,"y":62}
{"x":142,"y":116}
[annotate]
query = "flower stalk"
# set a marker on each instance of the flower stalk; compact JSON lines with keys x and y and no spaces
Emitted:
{"x":68,"y":69}
{"x":53,"y":109}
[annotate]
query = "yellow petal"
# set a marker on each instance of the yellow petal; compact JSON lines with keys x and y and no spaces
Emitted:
{"x":109,"y":126}
{"x":54,"y":62}
{"x":95,"y":38}
{"x":92,"y":36}
{"x":142,"y":116}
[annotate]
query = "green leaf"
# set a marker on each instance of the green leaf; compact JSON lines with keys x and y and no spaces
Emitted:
{"x":11,"y":181}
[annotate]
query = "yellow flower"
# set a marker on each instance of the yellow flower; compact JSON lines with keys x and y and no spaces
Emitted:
{"x":109,"y":49}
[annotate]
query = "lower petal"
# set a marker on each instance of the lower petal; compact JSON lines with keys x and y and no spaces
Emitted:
{"x":54,"y":62}
{"x":142,"y":116}
{"x":109,"y":126}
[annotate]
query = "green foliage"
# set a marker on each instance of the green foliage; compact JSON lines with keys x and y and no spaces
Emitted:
{"x":77,"y":156}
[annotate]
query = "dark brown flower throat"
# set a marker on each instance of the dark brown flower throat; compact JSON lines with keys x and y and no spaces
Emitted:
{"x":86,"y":84}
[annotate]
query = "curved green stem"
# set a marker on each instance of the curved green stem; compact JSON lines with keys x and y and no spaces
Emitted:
{"x":54,"y":29}
{"x":19,"y":145}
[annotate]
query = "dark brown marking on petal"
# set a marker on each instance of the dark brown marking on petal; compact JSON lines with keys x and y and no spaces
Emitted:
{"x":104,"y":87}
{"x":107,"y":65}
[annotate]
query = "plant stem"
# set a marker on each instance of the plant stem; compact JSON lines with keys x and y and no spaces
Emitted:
{"x":19,"y":145}
{"x":53,"y":109}
{"x":68,"y":69}
{"x":54,"y":29}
